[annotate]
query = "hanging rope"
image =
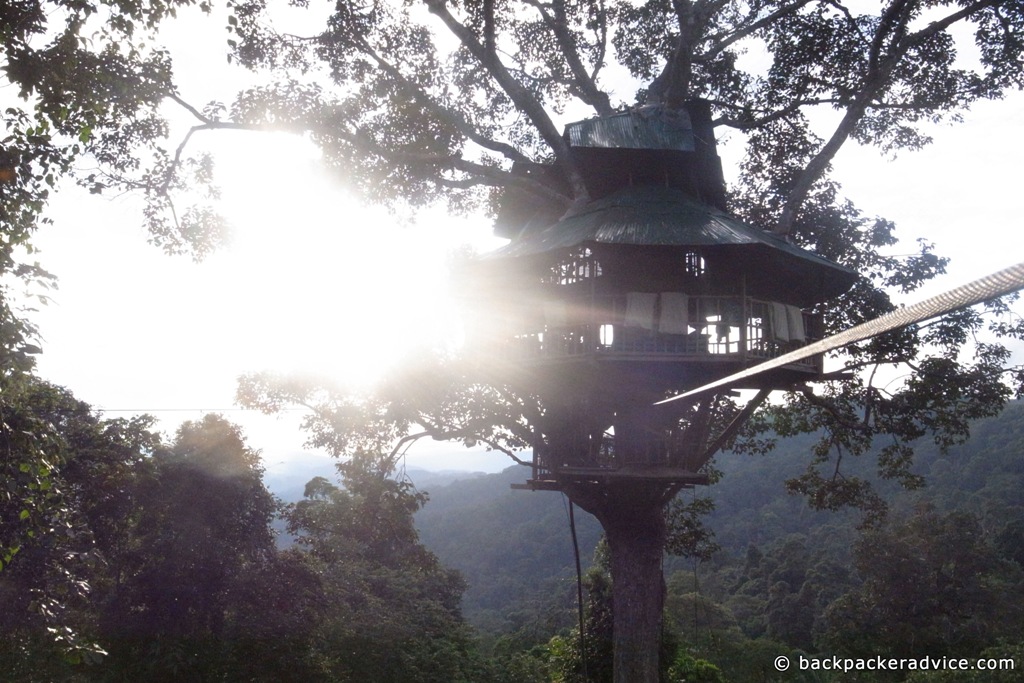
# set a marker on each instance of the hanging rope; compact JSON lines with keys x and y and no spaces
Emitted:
{"x":579,"y":589}
{"x":997,"y":284}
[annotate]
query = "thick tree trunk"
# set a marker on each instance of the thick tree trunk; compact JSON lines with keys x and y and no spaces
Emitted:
{"x":634,"y":524}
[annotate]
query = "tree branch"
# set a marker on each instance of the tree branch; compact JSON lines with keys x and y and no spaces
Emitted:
{"x":584,"y":84}
{"x":745,"y":121}
{"x":672,"y":86}
{"x":602,"y":39}
{"x":733,"y":428}
{"x":876,"y":79}
{"x":488,"y":175}
{"x":206,"y":123}
{"x":484,"y":174}
{"x":947,"y":21}
{"x":449,"y":116}
{"x":519,"y":95}
{"x":448,"y":435}
{"x":816,"y":167}
{"x":723,"y":40}
{"x":210,"y":125}
{"x":189,"y":108}
{"x":841,"y":420}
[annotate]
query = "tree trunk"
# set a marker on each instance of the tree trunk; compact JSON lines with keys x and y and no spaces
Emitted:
{"x":634,"y":524}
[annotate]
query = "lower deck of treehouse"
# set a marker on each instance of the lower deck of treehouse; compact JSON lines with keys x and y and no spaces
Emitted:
{"x":558,"y":480}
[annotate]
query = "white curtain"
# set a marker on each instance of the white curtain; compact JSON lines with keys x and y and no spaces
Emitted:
{"x":795,"y":318}
{"x":640,"y":309}
{"x":780,"y":321}
{"x":675,"y":313}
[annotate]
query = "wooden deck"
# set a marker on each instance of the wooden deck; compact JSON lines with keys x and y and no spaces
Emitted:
{"x":555,"y":481}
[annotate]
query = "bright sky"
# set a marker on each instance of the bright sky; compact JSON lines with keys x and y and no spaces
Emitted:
{"x":313,"y":282}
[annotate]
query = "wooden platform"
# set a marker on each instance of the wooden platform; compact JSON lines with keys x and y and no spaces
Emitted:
{"x":555,"y":481}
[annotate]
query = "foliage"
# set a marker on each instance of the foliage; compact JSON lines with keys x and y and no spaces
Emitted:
{"x":391,"y":612}
{"x":587,"y":659}
{"x":781,"y":567}
{"x":450,"y":102}
{"x":160,"y":565}
{"x":273,"y":609}
{"x":741,"y":615}
{"x":939,"y":400}
{"x":686,"y":669}
{"x":436,"y":100}
{"x":84,"y":83}
{"x":516,"y":668}
{"x":419,"y":102}
{"x":63,"y":508}
{"x":688,"y":535}
{"x":1003,"y":654}
{"x":933,"y":585}
{"x":90,"y":79}
{"x":515,"y":551}
{"x":787,"y":573}
{"x":203,"y":519}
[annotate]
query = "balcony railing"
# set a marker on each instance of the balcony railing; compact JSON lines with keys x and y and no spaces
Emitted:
{"x":673,"y":328}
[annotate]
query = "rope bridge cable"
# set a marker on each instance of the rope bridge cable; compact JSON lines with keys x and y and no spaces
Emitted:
{"x":989,"y":287}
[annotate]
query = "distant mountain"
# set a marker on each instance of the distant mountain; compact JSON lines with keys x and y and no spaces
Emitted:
{"x":985,"y":475}
{"x":429,"y":480}
{"x":513,"y":547}
{"x":287,"y":478}
{"x":515,"y":551}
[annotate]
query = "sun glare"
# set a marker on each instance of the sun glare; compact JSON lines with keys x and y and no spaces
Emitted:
{"x":328,"y":286}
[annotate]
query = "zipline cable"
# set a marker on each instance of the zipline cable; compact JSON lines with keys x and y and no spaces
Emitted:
{"x":991,"y":286}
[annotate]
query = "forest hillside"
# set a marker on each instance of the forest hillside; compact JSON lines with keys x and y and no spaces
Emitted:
{"x":515,"y":550}
{"x":161,"y":562}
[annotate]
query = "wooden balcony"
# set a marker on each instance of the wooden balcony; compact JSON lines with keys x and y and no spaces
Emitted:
{"x":718,"y":329}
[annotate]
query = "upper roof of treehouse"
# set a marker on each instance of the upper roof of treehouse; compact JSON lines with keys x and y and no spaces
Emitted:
{"x":655,"y":180}
{"x":659,"y":216}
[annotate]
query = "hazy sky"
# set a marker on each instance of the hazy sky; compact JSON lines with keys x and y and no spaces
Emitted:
{"x":313,"y":282}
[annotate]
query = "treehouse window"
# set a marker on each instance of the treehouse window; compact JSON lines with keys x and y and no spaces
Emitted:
{"x":721,"y":320}
{"x":577,"y":266}
{"x":693,"y":264}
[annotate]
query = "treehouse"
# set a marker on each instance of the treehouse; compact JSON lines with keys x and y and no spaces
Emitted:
{"x":651,"y":287}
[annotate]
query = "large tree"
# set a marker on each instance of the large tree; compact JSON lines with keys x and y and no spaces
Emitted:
{"x":932,"y":584}
{"x":390,"y":610}
{"x":459,"y":102}
{"x":83,"y":84}
{"x":417,"y":103}
{"x":202,"y":519}
{"x":67,"y":504}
